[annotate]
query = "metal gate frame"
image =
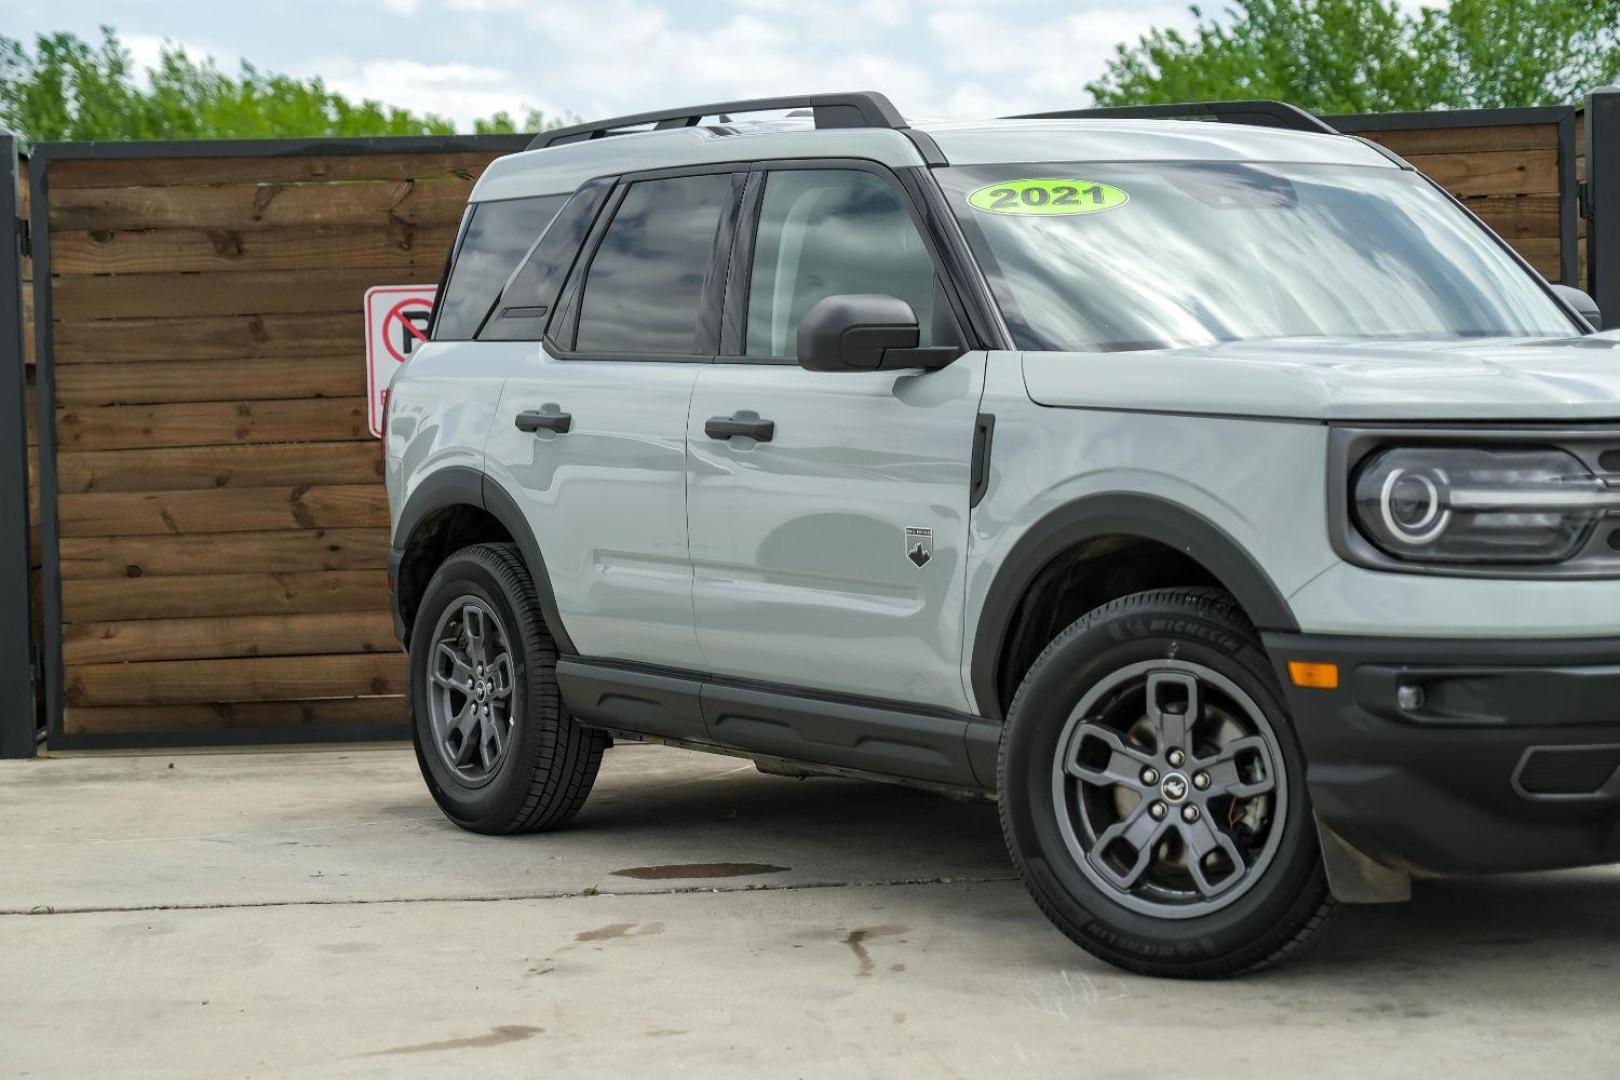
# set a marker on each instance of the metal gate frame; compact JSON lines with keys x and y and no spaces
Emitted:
{"x":1601,"y":192}
{"x":17,"y":702}
{"x":41,"y":155}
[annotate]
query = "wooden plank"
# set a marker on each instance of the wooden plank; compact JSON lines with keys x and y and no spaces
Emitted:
{"x":278,"y":551}
{"x":207,"y":423}
{"x":119,"y":719}
{"x":265,"y":678}
{"x":300,"y":168}
{"x":181,"y":596}
{"x":210,"y":380}
{"x":261,"y":206}
{"x":1514,"y":217}
{"x":1511,"y":172}
{"x":257,"y":292}
{"x":175,"y":469}
{"x":333,"y":506}
{"x":231,"y":636}
{"x":208,"y":337}
{"x":1467,"y":140}
{"x":418,"y":252}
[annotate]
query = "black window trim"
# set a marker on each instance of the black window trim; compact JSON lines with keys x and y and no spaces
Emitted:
{"x":734,"y":321}
{"x":563,"y":324}
{"x":444,"y":275}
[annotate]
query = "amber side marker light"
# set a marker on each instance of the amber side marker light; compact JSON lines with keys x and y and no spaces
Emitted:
{"x":1313,"y":675}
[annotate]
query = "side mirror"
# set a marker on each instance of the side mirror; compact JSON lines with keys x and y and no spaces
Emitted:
{"x":1584,"y":305}
{"x":865,"y":332}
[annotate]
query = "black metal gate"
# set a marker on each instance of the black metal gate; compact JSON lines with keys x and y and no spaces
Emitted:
{"x":17,"y":712}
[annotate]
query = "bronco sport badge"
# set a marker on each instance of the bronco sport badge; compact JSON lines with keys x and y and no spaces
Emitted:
{"x":919,"y":545}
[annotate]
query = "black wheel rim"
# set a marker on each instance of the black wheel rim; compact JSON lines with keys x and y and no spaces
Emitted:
{"x":472,"y":690}
{"x":1169,"y":789}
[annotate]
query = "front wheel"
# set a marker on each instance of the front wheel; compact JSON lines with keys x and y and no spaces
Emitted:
{"x":498,"y":751}
{"x":1153,"y":794}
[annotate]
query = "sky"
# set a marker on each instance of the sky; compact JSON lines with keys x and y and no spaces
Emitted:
{"x":594,"y":58}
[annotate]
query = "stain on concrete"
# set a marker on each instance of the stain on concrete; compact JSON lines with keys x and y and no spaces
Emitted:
{"x":497,"y":1036}
{"x":699,"y":870}
{"x":857,"y":940}
{"x":620,"y":930}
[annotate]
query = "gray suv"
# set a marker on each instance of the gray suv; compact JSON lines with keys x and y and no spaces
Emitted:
{"x":1220,"y":496}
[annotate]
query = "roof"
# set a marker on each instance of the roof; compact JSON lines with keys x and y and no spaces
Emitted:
{"x":562,"y":168}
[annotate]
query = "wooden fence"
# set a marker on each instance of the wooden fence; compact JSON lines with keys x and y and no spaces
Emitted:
{"x":216,"y":556}
{"x":220,"y":523}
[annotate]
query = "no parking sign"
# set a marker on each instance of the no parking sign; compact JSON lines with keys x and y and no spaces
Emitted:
{"x":396,"y":323}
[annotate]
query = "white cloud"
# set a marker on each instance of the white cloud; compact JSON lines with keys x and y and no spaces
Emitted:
{"x":462,"y":92}
{"x":146,"y":52}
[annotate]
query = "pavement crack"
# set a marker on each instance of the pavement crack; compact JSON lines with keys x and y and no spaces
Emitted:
{"x":473,"y":898}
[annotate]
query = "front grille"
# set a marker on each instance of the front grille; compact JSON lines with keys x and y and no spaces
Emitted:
{"x":1568,"y":771}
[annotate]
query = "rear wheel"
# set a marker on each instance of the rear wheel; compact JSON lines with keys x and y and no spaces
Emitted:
{"x":1152,"y":791}
{"x":497,"y":749}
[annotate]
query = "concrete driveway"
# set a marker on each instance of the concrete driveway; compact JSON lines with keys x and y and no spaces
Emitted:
{"x":311,"y":914}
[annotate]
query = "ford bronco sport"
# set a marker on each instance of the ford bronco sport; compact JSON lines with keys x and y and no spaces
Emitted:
{"x":1222,"y":498}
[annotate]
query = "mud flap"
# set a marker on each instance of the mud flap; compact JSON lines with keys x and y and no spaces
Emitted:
{"x":1356,"y":878}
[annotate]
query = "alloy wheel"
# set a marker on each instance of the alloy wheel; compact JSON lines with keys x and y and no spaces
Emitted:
{"x":472,"y":693}
{"x":1169,"y":788}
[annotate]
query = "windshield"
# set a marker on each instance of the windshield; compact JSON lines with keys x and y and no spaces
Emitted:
{"x":1099,"y":257}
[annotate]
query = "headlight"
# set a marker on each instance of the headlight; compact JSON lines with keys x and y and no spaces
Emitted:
{"x":1460,"y":504}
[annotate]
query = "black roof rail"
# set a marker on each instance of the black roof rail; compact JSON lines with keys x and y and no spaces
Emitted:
{"x":1258,"y":113}
{"x":860,"y":109}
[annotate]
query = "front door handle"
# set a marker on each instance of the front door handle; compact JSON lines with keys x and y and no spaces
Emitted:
{"x":543,"y":421}
{"x":748,"y":424}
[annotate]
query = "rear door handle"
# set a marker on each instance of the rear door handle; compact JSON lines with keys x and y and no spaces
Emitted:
{"x":748,"y":424}
{"x":543,"y":421}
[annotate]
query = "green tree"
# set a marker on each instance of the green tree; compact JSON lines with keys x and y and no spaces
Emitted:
{"x":67,"y":88}
{"x":1345,"y":56}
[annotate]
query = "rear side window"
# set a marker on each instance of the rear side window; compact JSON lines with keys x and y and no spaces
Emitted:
{"x":498,"y":235}
{"x":644,"y":290}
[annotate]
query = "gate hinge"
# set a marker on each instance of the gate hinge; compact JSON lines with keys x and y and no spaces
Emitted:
{"x":36,"y":665}
{"x":1583,"y":200}
{"x":25,"y":237}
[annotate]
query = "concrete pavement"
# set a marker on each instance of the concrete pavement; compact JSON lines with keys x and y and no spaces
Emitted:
{"x":311,"y":914}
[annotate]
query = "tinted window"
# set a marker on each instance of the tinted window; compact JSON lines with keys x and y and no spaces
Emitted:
{"x":530,"y":293}
{"x":823,"y":232}
{"x":644,"y":289}
{"x":498,"y":235}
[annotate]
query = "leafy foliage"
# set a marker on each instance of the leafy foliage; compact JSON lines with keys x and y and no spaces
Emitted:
{"x":67,"y":88}
{"x":1349,"y":56}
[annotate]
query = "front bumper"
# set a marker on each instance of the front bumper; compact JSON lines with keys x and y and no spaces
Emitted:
{"x":1508,"y":759}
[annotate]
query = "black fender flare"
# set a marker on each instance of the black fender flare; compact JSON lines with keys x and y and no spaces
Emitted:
{"x":459,"y":485}
{"x":1114,"y":514}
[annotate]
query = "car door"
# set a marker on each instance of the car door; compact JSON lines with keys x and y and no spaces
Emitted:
{"x":829,"y":553}
{"x":590,"y":433}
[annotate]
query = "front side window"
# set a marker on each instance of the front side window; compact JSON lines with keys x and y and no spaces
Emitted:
{"x":827,"y":232}
{"x":1108,"y":256}
{"x":498,"y":235}
{"x":643,"y":292}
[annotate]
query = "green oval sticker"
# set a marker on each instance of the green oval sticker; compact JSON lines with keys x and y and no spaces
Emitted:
{"x":1047,"y":197}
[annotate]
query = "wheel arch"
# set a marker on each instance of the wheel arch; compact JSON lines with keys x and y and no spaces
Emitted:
{"x":1148,"y":519}
{"x":449,"y":508}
